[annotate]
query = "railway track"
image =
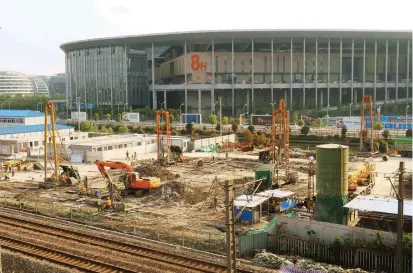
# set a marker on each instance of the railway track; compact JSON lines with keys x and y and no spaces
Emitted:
{"x":164,"y":257}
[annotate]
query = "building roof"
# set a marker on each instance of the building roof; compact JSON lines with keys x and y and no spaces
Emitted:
{"x":275,"y":193}
{"x":249,"y":201}
{"x":379,"y":204}
{"x":168,"y":39}
{"x":20,"y":113}
{"x":29,"y":129}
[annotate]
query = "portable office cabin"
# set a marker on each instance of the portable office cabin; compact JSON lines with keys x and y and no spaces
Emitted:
{"x":250,"y":208}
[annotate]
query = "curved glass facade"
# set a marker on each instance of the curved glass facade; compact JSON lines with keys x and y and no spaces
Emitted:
{"x":310,"y":70}
{"x":15,"y":83}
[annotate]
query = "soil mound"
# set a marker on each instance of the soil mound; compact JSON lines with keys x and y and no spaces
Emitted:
{"x":175,"y":193}
{"x":156,"y":171}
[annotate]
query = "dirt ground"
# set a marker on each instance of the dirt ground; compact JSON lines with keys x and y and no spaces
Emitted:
{"x":184,"y":204}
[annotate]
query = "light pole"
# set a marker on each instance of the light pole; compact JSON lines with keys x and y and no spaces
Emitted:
{"x":118,"y":103}
{"x":180,"y":112}
{"x":215,"y":104}
{"x":350,"y":104}
{"x":78,"y":113}
{"x":220,"y":117}
{"x":328,"y":106}
{"x":407,"y":107}
{"x":245,"y":105}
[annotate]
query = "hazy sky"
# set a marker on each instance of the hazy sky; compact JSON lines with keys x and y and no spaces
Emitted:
{"x":32,"y":30}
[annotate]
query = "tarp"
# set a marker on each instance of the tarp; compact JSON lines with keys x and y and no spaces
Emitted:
{"x":287,"y":204}
{"x":211,"y":148}
{"x":264,"y":229}
{"x":330,"y":209}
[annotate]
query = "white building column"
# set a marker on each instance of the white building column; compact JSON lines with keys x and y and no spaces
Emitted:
{"x":252,"y":77}
{"x":154,"y":99}
{"x":304,"y":67}
{"x":186,"y":78}
{"x":352,"y":71}
{"x":164,"y":99}
{"x":386,"y":95}
{"x":375,"y":73}
{"x":328,"y":74}
{"x":199,"y":101}
{"x":316,"y":73}
{"x":364,"y":66}
{"x":213,"y":78}
{"x":397,"y":71}
{"x":232,"y":77}
{"x":291,"y":75}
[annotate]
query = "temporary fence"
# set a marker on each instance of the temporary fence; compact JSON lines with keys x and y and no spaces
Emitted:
{"x":348,"y":257}
{"x":123,"y":222}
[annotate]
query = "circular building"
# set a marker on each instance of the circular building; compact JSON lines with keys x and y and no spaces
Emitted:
{"x":310,"y":70}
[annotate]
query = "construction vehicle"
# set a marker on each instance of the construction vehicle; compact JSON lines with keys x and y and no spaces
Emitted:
{"x":403,"y":146}
{"x":363,"y":177}
{"x":177,"y":153}
{"x":163,"y":149}
{"x":132,"y":182}
{"x":69,"y":175}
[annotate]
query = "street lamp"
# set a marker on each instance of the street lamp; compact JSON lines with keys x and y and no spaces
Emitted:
{"x":245,"y":105}
{"x":215,"y":104}
{"x":407,"y":107}
{"x":350,"y":104}
{"x":180,"y":112}
{"x":328,"y":106}
{"x":163,"y":103}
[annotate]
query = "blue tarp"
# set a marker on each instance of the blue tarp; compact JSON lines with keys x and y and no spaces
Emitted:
{"x":287,"y":204}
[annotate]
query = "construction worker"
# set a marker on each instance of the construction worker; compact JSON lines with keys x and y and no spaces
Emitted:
{"x":99,"y":202}
{"x":54,"y":176}
{"x":12,"y":172}
{"x":127,"y":155}
{"x":109,"y":203}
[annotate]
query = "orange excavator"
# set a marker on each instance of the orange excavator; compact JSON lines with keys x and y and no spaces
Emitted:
{"x":133,"y":183}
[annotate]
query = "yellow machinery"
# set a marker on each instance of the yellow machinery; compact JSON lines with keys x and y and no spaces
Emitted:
{"x":283,"y":116}
{"x":363,"y":177}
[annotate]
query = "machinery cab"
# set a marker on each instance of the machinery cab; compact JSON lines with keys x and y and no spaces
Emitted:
{"x":146,"y":183}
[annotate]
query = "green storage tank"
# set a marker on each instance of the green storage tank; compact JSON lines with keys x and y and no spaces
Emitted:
{"x":265,"y":171}
{"x":332,"y":170}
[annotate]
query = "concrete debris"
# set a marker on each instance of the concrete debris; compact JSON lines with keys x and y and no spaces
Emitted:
{"x":268,"y":259}
{"x":311,"y":265}
{"x":154,"y":171}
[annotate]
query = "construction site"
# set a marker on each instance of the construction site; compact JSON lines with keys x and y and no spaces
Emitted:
{"x":241,"y":206}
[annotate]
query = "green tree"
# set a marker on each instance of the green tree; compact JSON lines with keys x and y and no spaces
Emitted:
{"x":300,"y":122}
{"x":385,"y":134}
{"x":123,"y":129}
{"x":327,"y":117}
{"x":236,"y":121}
{"x":305,"y":130}
{"x":409,"y":133}
{"x":107,"y":130}
{"x":262,"y":139}
{"x":234,"y":127}
{"x":188,"y":128}
{"x":119,"y":117}
{"x":343,"y":133}
{"x":295,"y":118}
{"x":171,"y":118}
{"x":225,"y":120}
{"x":378,"y":125}
{"x":212,"y":119}
{"x":319,"y":122}
{"x":93,"y":128}
{"x":96,"y":116}
{"x":108,"y":116}
{"x":251,"y":128}
{"x":85,"y":126}
{"x":248,"y":136}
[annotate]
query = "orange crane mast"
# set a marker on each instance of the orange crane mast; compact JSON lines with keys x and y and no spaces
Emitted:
{"x":363,"y":134}
{"x":159,"y":136}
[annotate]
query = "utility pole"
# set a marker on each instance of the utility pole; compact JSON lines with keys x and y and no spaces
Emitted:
{"x":220,"y":117}
{"x":229,"y":222}
{"x":78,"y":113}
{"x":400,"y":222}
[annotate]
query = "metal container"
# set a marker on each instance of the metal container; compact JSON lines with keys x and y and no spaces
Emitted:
{"x":332,"y":170}
{"x":265,"y":172}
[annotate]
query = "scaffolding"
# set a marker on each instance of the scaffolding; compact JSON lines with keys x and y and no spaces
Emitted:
{"x":363,"y":131}
{"x":310,"y":196}
{"x":282,"y":115}
{"x":160,"y":133}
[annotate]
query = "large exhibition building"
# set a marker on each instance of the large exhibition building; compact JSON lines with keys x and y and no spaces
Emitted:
{"x":249,"y":70}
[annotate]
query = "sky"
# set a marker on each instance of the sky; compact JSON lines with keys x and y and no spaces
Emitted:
{"x":32,"y":30}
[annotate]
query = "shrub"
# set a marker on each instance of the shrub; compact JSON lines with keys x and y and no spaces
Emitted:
{"x":236,"y":121}
{"x":251,"y":128}
{"x":409,"y":133}
{"x":336,"y":137}
{"x":248,"y":136}
{"x":234,"y":127}
{"x":188,"y":128}
{"x":212,"y":119}
{"x":300,"y":122}
{"x":108,"y":116}
{"x":119,"y":117}
{"x":96,"y":116}
{"x":319,"y":122}
{"x":183,"y":131}
{"x":383,"y":146}
{"x":343,"y":133}
{"x":174,"y":133}
{"x":378,"y":125}
{"x":123,"y":129}
{"x":305,"y":130}
{"x":385,"y":134}
{"x":225,"y":120}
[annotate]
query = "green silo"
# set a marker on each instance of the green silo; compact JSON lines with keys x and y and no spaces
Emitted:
{"x":331,"y":182}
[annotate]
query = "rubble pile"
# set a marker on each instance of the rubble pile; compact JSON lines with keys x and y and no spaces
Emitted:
{"x":311,"y":265}
{"x":268,"y":259}
{"x":154,"y":171}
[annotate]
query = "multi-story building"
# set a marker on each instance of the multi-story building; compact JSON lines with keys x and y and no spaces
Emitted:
{"x":249,"y":70}
{"x":17,"y":83}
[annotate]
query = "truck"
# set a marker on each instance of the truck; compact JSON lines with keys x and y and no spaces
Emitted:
{"x":403,"y":146}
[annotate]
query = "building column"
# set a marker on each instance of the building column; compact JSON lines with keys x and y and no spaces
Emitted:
{"x":186,"y":78}
{"x":272,"y":71}
{"x":386,"y":95}
{"x":199,"y":101}
{"x":291,"y":76}
{"x":304,"y":67}
{"x":328,"y":74}
{"x":84,"y":78}
{"x":408,"y":70}
{"x":111,"y":83}
{"x":375,"y":73}
{"x":252,"y":77}
{"x":248,"y":101}
{"x":321,"y":98}
{"x":352,"y":71}
{"x":96,"y":77}
{"x":397,"y":71}
{"x":341,"y":70}
{"x":76,"y":97}
{"x":126,"y":78}
{"x":364,"y":66}
{"x":232,"y":77}
{"x":316,"y":73}
{"x":213,"y":79}
{"x":154,"y":99}
{"x":164,"y":100}
{"x":68,"y":75}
